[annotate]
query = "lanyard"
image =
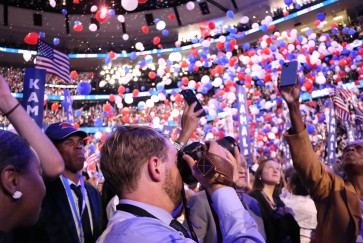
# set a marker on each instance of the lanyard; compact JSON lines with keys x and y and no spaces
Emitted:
{"x":73,"y":205}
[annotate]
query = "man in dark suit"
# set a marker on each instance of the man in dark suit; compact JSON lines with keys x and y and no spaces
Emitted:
{"x":71,"y":209}
{"x":202,"y":216}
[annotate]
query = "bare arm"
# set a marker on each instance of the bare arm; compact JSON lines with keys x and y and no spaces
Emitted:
{"x":50,"y":159}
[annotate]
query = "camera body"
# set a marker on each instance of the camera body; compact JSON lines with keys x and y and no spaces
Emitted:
{"x":197,"y":151}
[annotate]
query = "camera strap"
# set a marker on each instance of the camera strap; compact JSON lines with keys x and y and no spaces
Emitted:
{"x":216,"y":219}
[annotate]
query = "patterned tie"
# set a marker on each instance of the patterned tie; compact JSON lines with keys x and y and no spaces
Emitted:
{"x":179,"y":227}
{"x":86,"y":224}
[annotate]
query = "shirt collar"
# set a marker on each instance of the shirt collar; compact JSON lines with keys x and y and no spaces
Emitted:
{"x":159,"y":213}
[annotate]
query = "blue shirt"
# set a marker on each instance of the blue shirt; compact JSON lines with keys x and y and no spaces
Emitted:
{"x":236,"y":223}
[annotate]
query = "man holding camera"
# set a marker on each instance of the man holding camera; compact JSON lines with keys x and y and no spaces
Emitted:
{"x":141,"y":166}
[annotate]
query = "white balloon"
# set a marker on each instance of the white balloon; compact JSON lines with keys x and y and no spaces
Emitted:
{"x":52,"y":3}
{"x":190,"y":5}
{"x":94,"y":8}
{"x":98,"y":135}
{"x":121,"y":18}
{"x":125,"y":37}
{"x":92,"y":27}
{"x":160,"y":25}
{"x":129,"y":5}
{"x":255,"y":26}
{"x":102,"y":84}
{"x":222,"y":39}
{"x":175,"y":113}
{"x":244,"y":20}
{"x":27,"y":56}
{"x":129,"y":99}
{"x":149,"y":103}
{"x":205,"y":79}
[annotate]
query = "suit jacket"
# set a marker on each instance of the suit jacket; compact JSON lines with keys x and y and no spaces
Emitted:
{"x":56,"y":223}
{"x":337,"y":204}
{"x":202,"y":215}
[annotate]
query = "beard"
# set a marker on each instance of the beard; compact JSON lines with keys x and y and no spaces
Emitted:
{"x":173,"y":186}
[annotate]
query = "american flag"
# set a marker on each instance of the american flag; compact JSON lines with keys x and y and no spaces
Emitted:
{"x":346,"y":94}
{"x":55,"y":62}
{"x":341,"y":109}
{"x":91,"y":162}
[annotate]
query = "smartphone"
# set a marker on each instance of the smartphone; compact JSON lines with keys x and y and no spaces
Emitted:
{"x":190,"y":98}
{"x":288,"y":73}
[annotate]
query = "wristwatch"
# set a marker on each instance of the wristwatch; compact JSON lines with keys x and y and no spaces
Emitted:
{"x":216,"y":170}
{"x":178,"y":146}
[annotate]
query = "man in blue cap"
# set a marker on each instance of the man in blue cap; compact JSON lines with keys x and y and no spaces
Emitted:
{"x":71,"y":210}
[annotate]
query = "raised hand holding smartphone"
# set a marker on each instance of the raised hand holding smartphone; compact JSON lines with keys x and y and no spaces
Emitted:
{"x":190,"y":98}
{"x":288,"y":73}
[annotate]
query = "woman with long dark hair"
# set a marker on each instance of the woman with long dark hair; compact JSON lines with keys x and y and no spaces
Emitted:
{"x":280,"y":225}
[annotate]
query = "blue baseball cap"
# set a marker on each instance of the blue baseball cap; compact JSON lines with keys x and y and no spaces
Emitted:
{"x":61,"y":130}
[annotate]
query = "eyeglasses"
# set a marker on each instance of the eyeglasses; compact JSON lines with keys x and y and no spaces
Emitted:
{"x":357,"y":147}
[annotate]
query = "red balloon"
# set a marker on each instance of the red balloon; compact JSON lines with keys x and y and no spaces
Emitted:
{"x":145,"y":29}
{"x":142,"y":1}
{"x":125,"y":111}
{"x":135,"y":92}
{"x":125,"y":119}
{"x":171,"y":17}
{"x":31,"y":38}
{"x":101,"y":17}
{"x":78,"y":27}
{"x":316,"y":22}
{"x":185,"y":81}
{"x":212,"y":25}
{"x":76,"y":125}
{"x":76,"y":1}
{"x":152,"y":75}
{"x":74,"y":74}
{"x":219,"y":69}
{"x":55,"y":107}
{"x":107,"y":107}
{"x":121,"y":89}
{"x":111,"y":98}
{"x":156,"y":40}
{"x":177,"y":43}
{"x":112,"y":55}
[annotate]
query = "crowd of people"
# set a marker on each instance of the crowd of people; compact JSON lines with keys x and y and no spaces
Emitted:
{"x":273,"y":199}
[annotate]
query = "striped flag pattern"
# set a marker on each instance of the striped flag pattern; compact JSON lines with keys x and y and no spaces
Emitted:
{"x":346,"y":94}
{"x":55,"y":62}
{"x":341,"y":109}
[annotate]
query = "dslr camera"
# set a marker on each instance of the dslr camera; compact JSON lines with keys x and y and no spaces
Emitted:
{"x":197,"y":150}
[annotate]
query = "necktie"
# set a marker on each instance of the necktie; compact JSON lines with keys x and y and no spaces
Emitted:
{"x":179,"y":227}
{"x":86,"y":224}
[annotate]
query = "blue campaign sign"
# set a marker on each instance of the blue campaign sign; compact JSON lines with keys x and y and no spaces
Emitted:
{"x":33,"y":97}
{"x":244,"y":128}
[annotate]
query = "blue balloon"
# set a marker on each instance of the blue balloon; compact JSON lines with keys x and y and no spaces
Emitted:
{"x":195,"y":40}
{"x":56,"y":41}
{"x":160,"y":86}
{"x":111,"y":12}
{"x":98,"y":122}
{"x":133,"y":55}
{"x":351,"y":31}
{"x":141,"y":105}
{"x":230,"y":14}
{"x":310,"y":128}
{"x":179,"y":84}
{"x":320,"y":16}
{"x":84,"y":88}
{"x":298,"y":6}
{"x":156,"y":20}
{"x":142,"y":88}
{"x":41,"y":34}
{"x":107,"y":60}
{"x":288,"y":2}
{"x":165,"y":32}
{"x":334,"y":31}
{"x":78,"y":113}
{"x":345,"y":30}
{"x":264,"y":28}
{"x":64,"y":12}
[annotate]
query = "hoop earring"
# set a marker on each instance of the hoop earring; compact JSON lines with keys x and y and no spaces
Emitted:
{"x":17,"y":194}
